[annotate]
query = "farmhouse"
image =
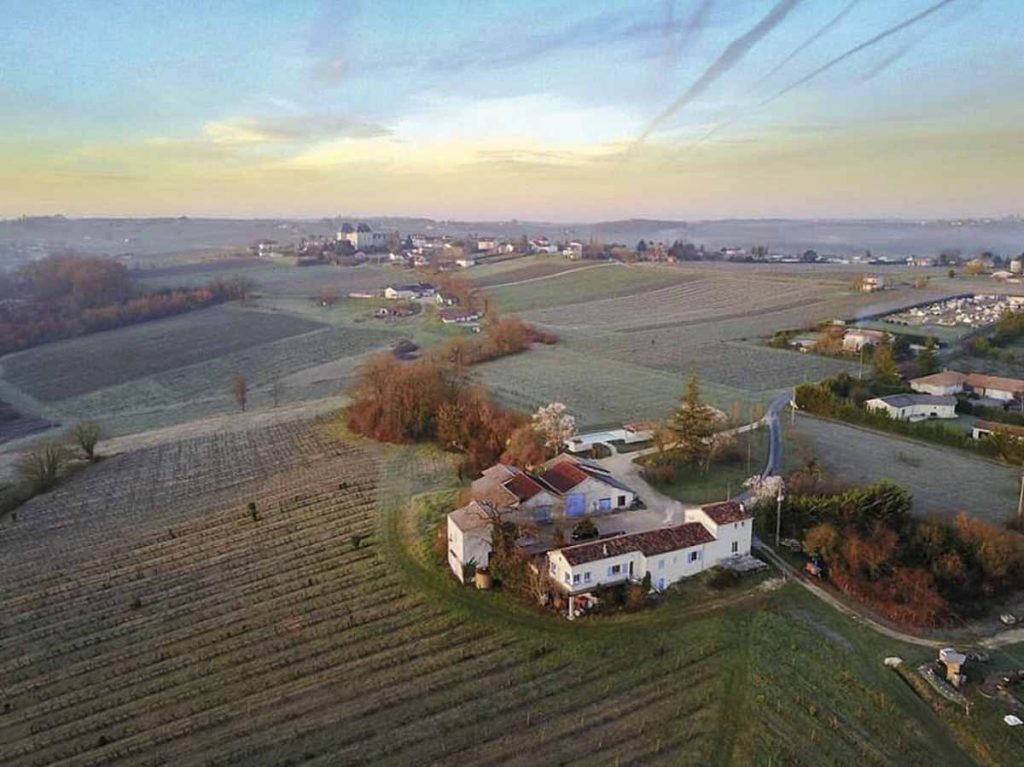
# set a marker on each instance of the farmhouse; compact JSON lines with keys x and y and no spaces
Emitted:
{"x":984,"y":429}
{"x":856,"y":339}
{"x":454,"y":315}
{"x":667,"y":554}
{"x":914,"y":407}
{"x":995,"y":387}
{"x":586,"y":487}
{"x":509,"y":487}
{"x":469,"y":538}
{"x":872,"y":283}
{"x":940,"y":384}
{"x":409,"y":291}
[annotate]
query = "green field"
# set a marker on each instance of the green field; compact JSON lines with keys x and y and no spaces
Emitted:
{"x":583,"y":283}
{"x":942,"y":480}
{"x":159,"y":622}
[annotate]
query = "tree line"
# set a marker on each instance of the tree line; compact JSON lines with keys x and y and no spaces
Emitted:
{"x":434,"y":399}
{"x":924,"y":572}
{"x":63,"y":296}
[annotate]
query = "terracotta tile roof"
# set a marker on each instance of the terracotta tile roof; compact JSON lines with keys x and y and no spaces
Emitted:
{"x":563,"y":476}
{"x":649,"y":543}
{"x":726,"y":513}
{"x":523,"y":487}
{"x":979,"y":381}
{"x":1016,"y":431}
{"x":945,"y":378}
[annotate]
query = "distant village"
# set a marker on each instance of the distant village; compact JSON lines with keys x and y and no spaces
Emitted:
{"x":359,"y":243}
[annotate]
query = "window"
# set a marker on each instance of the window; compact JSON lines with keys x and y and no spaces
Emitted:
{"x":567,"y":579}
{"x":622,"y":500}
{"x":552,"y":569}
{"x":614,"y":570}
{"x":735,"y":547}
{"x":693,"y":556}
{"x":605,"y":504}
{"x":575,"y":579}
{"x":586,"y":577}
{"x":661,"y":564}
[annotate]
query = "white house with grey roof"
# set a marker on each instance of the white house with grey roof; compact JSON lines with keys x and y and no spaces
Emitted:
{"x":914,"y":407}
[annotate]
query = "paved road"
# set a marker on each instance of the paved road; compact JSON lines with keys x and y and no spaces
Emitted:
{"x":774,"y":421}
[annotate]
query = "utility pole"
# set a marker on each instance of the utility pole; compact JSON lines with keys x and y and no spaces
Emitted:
{"x":778,"y":518}
{"x":1020,"y":505}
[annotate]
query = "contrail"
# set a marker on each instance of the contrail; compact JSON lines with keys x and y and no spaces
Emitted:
{"x":834,"y":61}
{"x":821,"y":32}
{"x":729,"y":58}
{"x":889,"y":60}
{"x":858,"y":48}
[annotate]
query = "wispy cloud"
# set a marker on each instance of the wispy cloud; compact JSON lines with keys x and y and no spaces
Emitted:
{"x":729,"y":58}
{"x":290,"y":129}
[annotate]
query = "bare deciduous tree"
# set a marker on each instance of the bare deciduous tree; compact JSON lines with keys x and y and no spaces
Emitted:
{"x":240,"y":388}
{"x":86,"y":434}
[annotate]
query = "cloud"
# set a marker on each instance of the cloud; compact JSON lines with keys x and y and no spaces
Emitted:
{"x":728,"y":59}
{"x":332,"y":71}
{"x":288,"y":130}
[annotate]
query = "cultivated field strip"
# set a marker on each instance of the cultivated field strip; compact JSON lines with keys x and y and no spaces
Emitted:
{"x":702,"y":299}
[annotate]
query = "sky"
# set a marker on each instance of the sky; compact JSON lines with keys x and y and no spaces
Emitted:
{"x":536,"y":110}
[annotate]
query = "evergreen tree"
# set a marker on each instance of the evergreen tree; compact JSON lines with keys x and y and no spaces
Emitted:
{"x":694,"y":424}
{"x":885,"y":376}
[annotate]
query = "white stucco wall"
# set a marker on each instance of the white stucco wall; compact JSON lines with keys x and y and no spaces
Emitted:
{"x":469,"y":546}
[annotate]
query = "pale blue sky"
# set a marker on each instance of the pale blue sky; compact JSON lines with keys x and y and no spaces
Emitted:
{"x":578,"y":110}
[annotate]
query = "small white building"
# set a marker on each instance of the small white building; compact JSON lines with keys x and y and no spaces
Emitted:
{"x":628,"y":434}
{"x":465,"y":262}
{"x":914,"y":407}
{"x":409,"y":291}
{"x":872,"y":283}
{"x":982,"y":429}
{"x":666,"y":554}
{"x":470,"y":531}
{"x":856,"y":339}
{"x":943,"y":384}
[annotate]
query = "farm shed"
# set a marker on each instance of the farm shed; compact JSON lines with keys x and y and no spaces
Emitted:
{"x":914,"y":407}
{"x":940,"y":384}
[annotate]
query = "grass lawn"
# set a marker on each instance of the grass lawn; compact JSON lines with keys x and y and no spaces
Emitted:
{"x":723,"y":479}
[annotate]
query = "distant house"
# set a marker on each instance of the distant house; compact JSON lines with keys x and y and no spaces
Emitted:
{"x":628,"y":434}
{"x":920,"y":261}
{"x":456,"y":315}
{"x":872,"y":283}
{"x":995,"y":387}
{"x":984,"y":429}
{"x":856,"y":339}
{"x":445,"y":299}
{"x":940,"y":384}
{"x":914,"y":407}
{"x":466,"y":261}
{"x":470,"y":530}
{"x":486,"y":244}
{"x":409,"y":291}
{"x":668,"y":554}
{"x":362,"y":237}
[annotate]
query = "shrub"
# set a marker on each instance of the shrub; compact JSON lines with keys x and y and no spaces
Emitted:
{"x":42,"y":466}
{"x":724,"y":579}
{"x":86,"y":434}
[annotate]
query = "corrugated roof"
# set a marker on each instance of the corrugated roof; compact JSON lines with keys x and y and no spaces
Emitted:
{"x":649,"y":543}
{"x":563,"y":476}
{"x":980,"y":381}
{"x":726,"y":513}
{"x":1017,"y":431}
{"x":945,"y":378}
{"x":907,"y":400}
{"x":523,"y":486}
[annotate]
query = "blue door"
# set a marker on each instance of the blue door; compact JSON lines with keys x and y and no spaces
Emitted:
{"x":661,"y":584}
{"x":605,"y":504}
{"x":576,"y":505}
